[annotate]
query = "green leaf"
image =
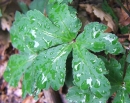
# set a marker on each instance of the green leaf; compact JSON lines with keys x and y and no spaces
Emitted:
{"x":94,"y":39}
{"x":109,"y":10}
{"x":121,"y":96}
{"x":76,"y":95}
{"x":59,"y":16}
{"x":88,"y":72}
{"x":115,"y":75}
{"x":124,"y":29}
{"x":127,"y":79}
{"x":59,"y":1}
{"x":39,"y":5}
{"x":16,"y":67}
{"x":23,"y":7}
{"x":128,"y":58}
{"x":41,"y":33}
{"x":40,"y":71}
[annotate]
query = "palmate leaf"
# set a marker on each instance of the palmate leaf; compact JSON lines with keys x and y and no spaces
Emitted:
{"x":44,"y":50}
{"x":44,"y":44}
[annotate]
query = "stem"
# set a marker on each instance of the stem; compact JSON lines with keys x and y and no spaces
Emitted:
{"x":125,"y":65}
{"x":119,"y":2}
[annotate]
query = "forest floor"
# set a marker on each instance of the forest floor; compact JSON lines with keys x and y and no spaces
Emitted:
{"x":117,"y":20}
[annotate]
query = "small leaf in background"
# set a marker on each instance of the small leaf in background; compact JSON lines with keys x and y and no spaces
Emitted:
{"x":114,"y":73}
{"x":125,"y":29}
{"x":39,"y":5}
{"x":109,"y":10}
{"x":23,"y":7}
{"x":121,"y":96}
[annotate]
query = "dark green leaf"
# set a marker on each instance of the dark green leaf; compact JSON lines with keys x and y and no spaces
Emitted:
{"x":94,"y":39}
{"x":115,"y":75}
{"x":121,"y":96}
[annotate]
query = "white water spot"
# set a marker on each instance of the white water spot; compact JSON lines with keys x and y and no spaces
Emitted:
{"x":76,"y":66}
{"x":89,"y":82}
{"x":100,"y":69}
{"x":33,"y":32}
{"x":78,"y":75}
{"x":98,"y":82}
{"x":100,"y":101}
{"x":43,"y":78}
{"x":94,"y":97}
{"x":109,"y":38}
{"x":83,"y":100}
{"x":36,"y":44}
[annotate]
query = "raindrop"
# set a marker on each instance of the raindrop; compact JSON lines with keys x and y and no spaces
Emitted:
{"x":89,"y":81}
{"x":96,"y":34}
{"x":99,"y":69}
{"x":93,"y":61}
{"x":97,"y":84}
{"x":36,"y":44}
{"x":61,"y":81}
{"x":84,"y":85}
{"x":77,"y":66}
{"x":62,"y":75}
{"x":77,"y":79}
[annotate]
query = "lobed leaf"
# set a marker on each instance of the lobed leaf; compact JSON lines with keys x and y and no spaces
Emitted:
{"x":67,"y":27}
{"x":40,"y":71}
{"x":115,"y":73}
{"x":88,"y":72}
{"x":94,"y":39}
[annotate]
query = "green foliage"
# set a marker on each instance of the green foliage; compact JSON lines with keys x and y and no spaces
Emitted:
{"x":45,"y":43}
{"x":0,"y":13}
{"x":125,"y":29}
{"x":119,"y":85}
{"x":109,"y":10}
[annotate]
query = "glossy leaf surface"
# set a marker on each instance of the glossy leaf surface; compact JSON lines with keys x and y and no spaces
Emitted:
{"x":45,"y":42}
{"x":94,"y":38}
{"x":88,"y":72}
